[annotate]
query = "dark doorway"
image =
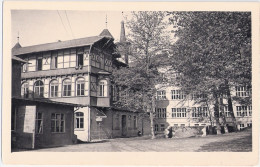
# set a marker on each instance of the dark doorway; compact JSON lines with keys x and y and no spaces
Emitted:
{"x":124,"y":130}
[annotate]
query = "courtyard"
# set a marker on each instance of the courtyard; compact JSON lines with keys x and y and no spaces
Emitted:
{"x":232,"y":142}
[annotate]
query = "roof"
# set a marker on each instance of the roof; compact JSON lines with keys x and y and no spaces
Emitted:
{"x":46,"y":101}
{"x":56,"y":45}
{"x":106,"y":33}
{"x":18,"y":59}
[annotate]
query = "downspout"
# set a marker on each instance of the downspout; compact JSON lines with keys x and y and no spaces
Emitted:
{"x":89,"y":93}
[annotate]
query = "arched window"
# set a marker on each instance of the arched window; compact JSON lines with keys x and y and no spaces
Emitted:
{"x":25,"y":90}
{"x":102,"y":88}
{"x":80,"y":87}
{"x":79,"y":120}
{"x":38,"y":89}
{"x":54,"y":85}
{"x":67,"y":87}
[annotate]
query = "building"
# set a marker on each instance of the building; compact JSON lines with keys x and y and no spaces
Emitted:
{"x":37,"y":123}
{"x":174,"y":108}
{"x":77,"y":72}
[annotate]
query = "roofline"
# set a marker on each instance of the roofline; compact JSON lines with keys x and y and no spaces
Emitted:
{"x":49,"y":101}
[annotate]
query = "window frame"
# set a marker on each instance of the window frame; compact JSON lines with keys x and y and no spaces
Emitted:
{"x":55,"y":120}
{"x":177,"y":94}
{"x":38,"y":87}
{"x":54,"y":84}
{"x":81,"y":83}
{"x":79,"y":120}
{"x":161,"y":95}
{"x":179,"y":113}
{"x":23,"y":88}
{"x":66,"y":84}
{"x":39,"y":129}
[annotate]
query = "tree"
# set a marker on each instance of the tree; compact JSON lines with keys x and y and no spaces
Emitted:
{"x":213,"y":52}
{"x":149,"y":43}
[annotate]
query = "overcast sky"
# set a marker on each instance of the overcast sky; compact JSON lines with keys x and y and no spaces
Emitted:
{"x":45,"y":26}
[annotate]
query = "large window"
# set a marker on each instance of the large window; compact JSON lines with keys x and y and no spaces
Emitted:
{"x":161,"y":95}
{"x":57,"y":122}
{"x":161,"y":113}
{"x":162,"y":127}
{"x":102,"y":88}
{"x":227,"y":113}
{"x":199,"y":112}
{"x":54,"y":85}
{"x":38,"y":89}
{"x":25,"y":90}
{"x":79,"y":122}
{"x":177,"y":94}
{"x":80,"y":87}
{"x":242,"y":91}
{"x":178,"y":112}
{"x":242,"y":111}
{"x":39,"y":123}
{"x":67,"y":87}
{"x":54,"y":60}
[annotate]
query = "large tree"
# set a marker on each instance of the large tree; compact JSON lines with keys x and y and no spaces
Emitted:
{"x":213,"y":54}
{"x":149,"y":42}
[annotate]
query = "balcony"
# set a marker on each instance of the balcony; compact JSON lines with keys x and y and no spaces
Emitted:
{"x":54,"y":72}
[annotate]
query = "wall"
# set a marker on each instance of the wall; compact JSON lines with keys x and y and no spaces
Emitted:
{"x":25,"y":125}
{"x":16,"y":78}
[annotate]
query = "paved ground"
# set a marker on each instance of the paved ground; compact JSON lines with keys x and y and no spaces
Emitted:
{"x":233,"y":142}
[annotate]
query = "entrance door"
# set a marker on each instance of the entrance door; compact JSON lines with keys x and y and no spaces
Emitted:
{"x":124,"y":125}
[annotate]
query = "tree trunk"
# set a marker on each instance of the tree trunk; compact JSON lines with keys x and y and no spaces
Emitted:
{"x":151,"y":118}
{"x":223,"y":113}
{"x":216,"y":114}
{"x":230,"y":106}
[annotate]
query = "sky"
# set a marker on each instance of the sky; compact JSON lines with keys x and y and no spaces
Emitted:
{"x":45,"y":26}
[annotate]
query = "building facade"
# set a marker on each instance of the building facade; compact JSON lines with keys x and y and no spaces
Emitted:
{"x":174,"y":108}
{"x":77,"y":72}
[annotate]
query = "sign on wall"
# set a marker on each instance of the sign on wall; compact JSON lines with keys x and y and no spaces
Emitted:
{"x":29,"y":119}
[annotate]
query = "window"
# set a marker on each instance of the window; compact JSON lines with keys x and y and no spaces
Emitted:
{"x":66,"y":87}
{"x":39,"y":123}
{"x":175,"y":125}
{"x":161,"y":95}
{"x":54,"y":85}
{"x":182,"y":125}
{"x":177,"y":94}
{"x":24,"y":67}
{"x":102,"y":85}
{"x":25,"y":90}
{"x":156,"y":127}
{"x":54,"y":60}
{"x":79,"y":120}
{"x":199,"y":96}
{"x":249,"y":124}
{"x":38,"y":89}
{"x":178,"y":112}
{"x":241,"y":111}
{"x":199,"y":112}
{"x":80,"y":87}
{"x":249,"y":110}
{"x":39,"y":64}
{"x":242,"y":91}
{"x":57,"y":122}
{"x":80,"y":60}
{"x":161,"y":113}
{"x":227,"y":113}
{"x":242,"y":126}
{"x":196,"y":124}
{"x":135,"y":122}
{"x":162,"y":127}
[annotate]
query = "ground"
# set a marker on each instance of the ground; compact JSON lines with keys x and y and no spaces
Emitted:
{"x":232,"y":142}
